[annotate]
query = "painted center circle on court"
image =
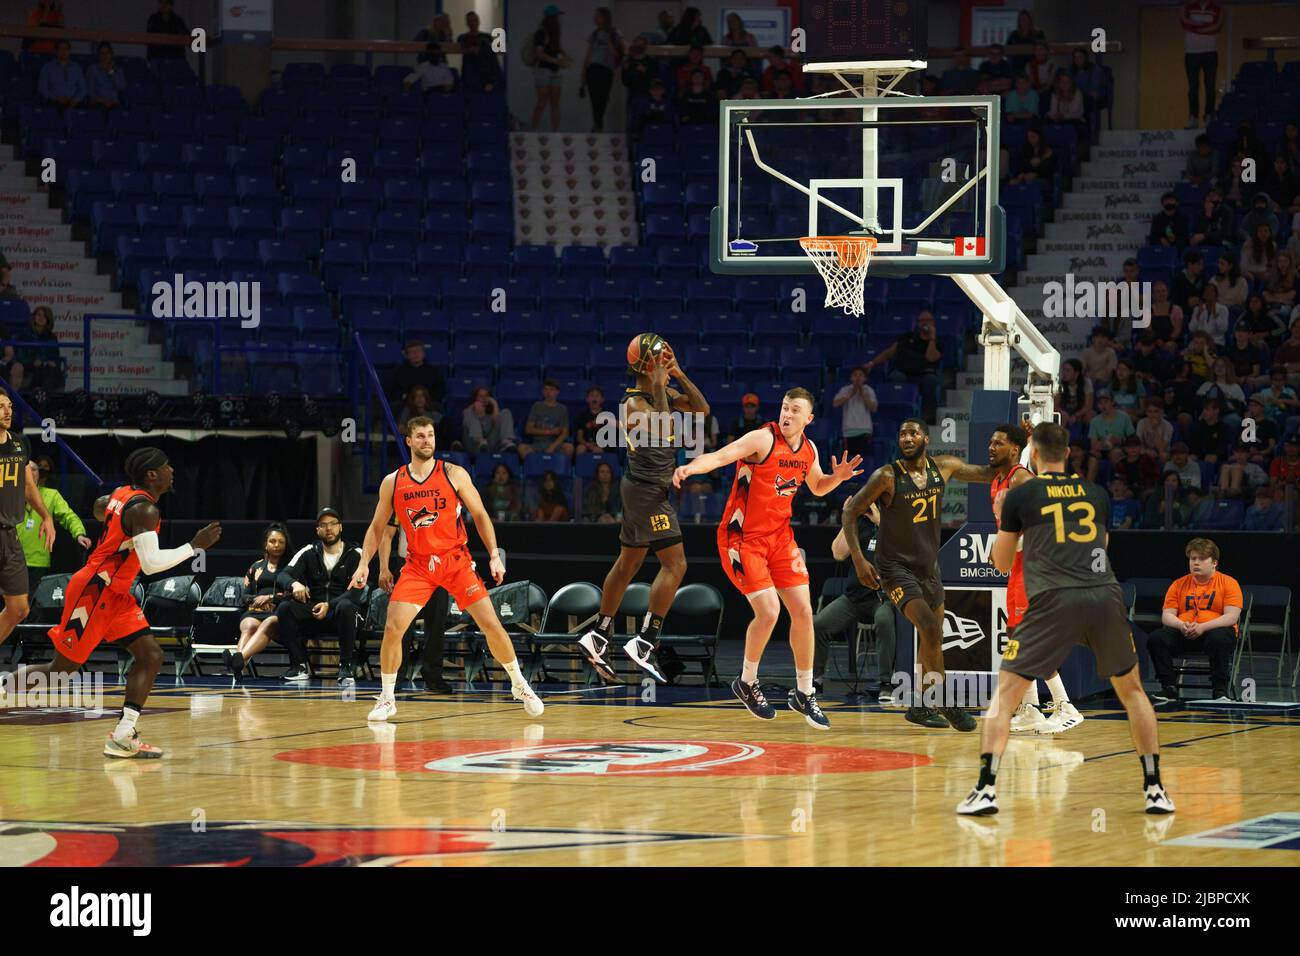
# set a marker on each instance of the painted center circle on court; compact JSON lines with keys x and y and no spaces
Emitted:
{"x":710,"y":758}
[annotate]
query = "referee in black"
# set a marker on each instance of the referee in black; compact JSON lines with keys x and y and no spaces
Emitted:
{"x":17,"y":490}
{"x":1073,"y":599}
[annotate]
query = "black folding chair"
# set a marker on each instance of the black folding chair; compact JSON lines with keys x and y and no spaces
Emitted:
{"x":169,"y":605}
{"x":693,"y":626}
{"x":1270,"y":616}
{"x":569,"y":614}
{"x":214,"y":627}
{"x":30,"y":640}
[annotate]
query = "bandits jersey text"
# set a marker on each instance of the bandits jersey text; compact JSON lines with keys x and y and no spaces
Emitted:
{"x":429,"y":512}
{"x":909,"y":524}
{"x":114,"y":558}
{"x":763,"y":493}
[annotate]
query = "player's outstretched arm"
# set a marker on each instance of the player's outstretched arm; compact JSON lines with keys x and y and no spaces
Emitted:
{"x":950,"y":466}
{"x":370,"y":544}
{"x":756,"y":443}
{"x":139,"y":522}
{"x":473,"y":503}
{"x":821,"y":484}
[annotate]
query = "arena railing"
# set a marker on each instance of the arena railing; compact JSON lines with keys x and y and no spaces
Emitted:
{"x":367,"y":394}
{"x":24,"y":409}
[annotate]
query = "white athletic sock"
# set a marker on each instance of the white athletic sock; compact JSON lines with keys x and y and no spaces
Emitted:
{"x":1057,"y":688}
{"x":1031,"y":694}
{"x":126,"y":724}
{"x":389,"y":683}
{"x":749,"y":673}
{"x":516,"y":675}
{"x":803,"y":680}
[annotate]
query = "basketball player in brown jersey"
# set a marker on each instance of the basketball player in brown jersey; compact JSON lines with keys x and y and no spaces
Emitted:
{"x":649,"y":517}
{"x":431,"y":498}
{"x":910,"y":493}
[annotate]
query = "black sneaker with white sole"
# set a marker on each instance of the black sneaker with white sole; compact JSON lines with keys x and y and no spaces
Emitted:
{"x":594,"y":648}
{"x":296,"y":675}
{"x":958,"y":719}
{"x":1167,"y":695}
{"x":925,"y":717}
{"x":642,"y":653}
{"x":751,"y":695}
{"x":807,"y":705}
{"x":346,"y":677}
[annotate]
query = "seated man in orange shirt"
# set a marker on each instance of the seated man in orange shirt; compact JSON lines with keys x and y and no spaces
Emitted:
{"x":1200,"y":617}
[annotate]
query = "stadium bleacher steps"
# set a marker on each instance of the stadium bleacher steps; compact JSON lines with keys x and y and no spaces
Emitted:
{"x":573,"y":189}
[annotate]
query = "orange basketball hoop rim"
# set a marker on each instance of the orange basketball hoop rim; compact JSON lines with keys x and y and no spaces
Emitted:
{"x":842,"y":262}
{"x":851,"y":252}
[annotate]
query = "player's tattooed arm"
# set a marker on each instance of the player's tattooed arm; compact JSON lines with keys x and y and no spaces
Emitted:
{"x":879,"y":485}
{"x":755,"y":444}
{"x":950,"y":466}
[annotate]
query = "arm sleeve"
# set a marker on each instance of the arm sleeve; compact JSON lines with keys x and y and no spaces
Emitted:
{"x":154,"y":559}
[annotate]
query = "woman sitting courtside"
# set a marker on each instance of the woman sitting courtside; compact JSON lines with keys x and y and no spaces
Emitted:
{"x":258,"y":626}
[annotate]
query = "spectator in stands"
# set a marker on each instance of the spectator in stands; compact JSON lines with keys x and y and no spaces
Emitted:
{"x":1154,"y":431}
{"x":1181,"y":463}
{"x":1090,"y":78}
{"x":1169,"y":226}
{"x":998,"y":70}
{"x":1109,"y":427}
{"x":698,"y":105}
{"x":1025,"y":34}
{"x":1266,"y":514}
{"x":690,"y":31}
{"x":1074,"y":399}
{"x":486,"y":425}
{"x":105,"y":83}
{"x":1209,"y":436}
{"x":1266,"y":433}
{"x":1067,"y":106}
{"x":480,"y":72}
{"x":7,"y":289}
{"x":550,"y":59}
{"x":472,"y":33}
{"x":259,"y":624}
{"x":1265,"y":327}
{"x":548,"y":424}
{"x":1279,"y":291}
{"x":1040,"y":69}
{"x":501,"y":495}
{"x":960,"y":79}
{"x":418,"y":404}
{"x":38,"y":365}
{"x":1290,"y":147}
{"x":1082,"y":462}
{"x":857,"y":401}
{"x":1200,"y":617}
{"x":737,"y":35}
{"x":29,"y":536}
{"x":778,"y":62}
{"x":1215,"y":223}
{"x":1036,"y":163}
{"x":658,"y":109}
{"x":47,"y":14}
{"x":1287,"y":355}
{"x":1136,"y":470}
{"x":638,"y":70}
{"x":1240,"y":476}
{"x":1279,"y":399}
{"x":319,"y":579}
{"x":551,"y":503}
{"x":166,"y":20}
{"x":1233,"y":289}
{"x":1200,"y":354}
{"x":917,"y":357}
{"x":1281,"y":184}
{"x":1210,"y":317}
{"x":784,"y":89}
{"x":1127,"y":390}
{"x":1202,"y":163}
{"x":61,"y":82}
{"x":1190,"y":282}
{"x":1224,"y":387}
{"x":1244,"y":356}
{"x":1180,"y":393}
{"x":432,"y":72}
{"x":414,"y":371}
{"x":1170,"y":501}
{"x":1099,"y":358}
{"x":601,"y":501}
{"x":1261,"y":213}
{"x":1285,"y":469}
{"x":1259,"y":254}
{"x":605,"y":49}
{"x":1166,"y":318}
{"x":1021,"y":104}
{"x":1202,"y":20}
{"x":438,"y":31}
{"x":731,"y":76}
{"x":586,"y":430}
{"x":748,"y":419}
{"x":1150,"y":363}
{"x":1125,"y":510}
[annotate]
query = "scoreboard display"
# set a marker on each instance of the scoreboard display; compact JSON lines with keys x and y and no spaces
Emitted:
{"x":841,"y":31}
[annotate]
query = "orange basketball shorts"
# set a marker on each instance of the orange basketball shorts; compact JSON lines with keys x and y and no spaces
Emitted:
{"x":453,"y":570}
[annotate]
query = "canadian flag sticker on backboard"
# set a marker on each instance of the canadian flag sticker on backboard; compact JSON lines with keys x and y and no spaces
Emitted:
{"x":968,"y":245}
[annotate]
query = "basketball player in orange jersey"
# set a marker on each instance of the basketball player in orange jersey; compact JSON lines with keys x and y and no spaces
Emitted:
{"x":431,"y":498}
{"x":649,"y":518}
{"x":1006,"y":446}
{"x":98,"y":605}
{"x":757,"y":545}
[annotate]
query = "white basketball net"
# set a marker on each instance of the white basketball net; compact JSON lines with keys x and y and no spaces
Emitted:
{"x":842,"y":262}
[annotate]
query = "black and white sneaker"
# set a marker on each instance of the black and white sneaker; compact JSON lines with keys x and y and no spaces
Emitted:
{"x":296,"y":675}
{"x":595,"y":647}
{"x":642,"y":653}
{"x":981,"y":802}
{"x":751,"y":695}
{"x":1157,"y":801}
{"x":807,"y":705}
{"x":346,"y":677}
{"x":1167,"y":695}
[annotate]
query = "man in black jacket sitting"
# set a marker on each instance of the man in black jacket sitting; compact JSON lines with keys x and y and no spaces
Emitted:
{"x":318,"y":577}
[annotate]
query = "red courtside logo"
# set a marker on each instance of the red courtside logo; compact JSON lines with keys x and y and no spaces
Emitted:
{"x":708,"y":758}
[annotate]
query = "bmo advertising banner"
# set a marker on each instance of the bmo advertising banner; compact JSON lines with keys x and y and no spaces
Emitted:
{"x":247,"y":22}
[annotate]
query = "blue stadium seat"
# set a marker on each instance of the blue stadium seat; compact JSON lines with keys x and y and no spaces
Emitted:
{"x":297,"y":290}
{"x":657,"y":295}
{"x":632,"y":262}
{"x":251,"y":223}
{"x":363,"y":292}
{"x":234,"y":253}
{"x":212,"y":187}
{"x":564,"y":295}
{"x":277,"y":253}
{"x":612,"y":295}
{"x":582,"y":262}
{"x":533,"y":262}
{"x":414,"y":292}
{"x":132,"y":186}
{"x":677,"y":262}
{"x":111,"y":220}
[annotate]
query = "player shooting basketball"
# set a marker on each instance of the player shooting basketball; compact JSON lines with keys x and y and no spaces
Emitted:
{"x":757,"y":546}
{"x":649,"y":518}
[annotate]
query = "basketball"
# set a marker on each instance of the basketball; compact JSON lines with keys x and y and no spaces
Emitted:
{"x":643,"y":349}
